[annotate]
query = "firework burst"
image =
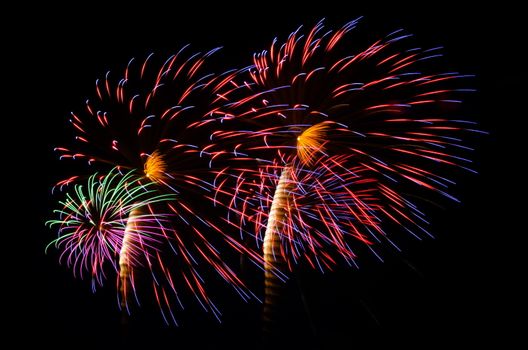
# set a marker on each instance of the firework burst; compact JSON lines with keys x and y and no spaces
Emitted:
{"x":96,"y":224}
{"x":342,"y":142}
{"x":145,"y":121}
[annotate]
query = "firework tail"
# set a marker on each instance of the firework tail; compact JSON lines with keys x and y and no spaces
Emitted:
{"x":125,"y":268}
{"x":273,"y":253}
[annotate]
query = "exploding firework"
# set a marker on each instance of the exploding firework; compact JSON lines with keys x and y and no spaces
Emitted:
{"x":145,"y":120}
{"x":101,"y":224}
{"x":342,"y":141}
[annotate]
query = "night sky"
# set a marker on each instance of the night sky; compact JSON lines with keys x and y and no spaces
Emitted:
{"x":461,"y":287}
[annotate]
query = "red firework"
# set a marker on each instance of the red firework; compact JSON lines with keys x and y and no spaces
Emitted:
{"x":342,"y":141}
{"x":141,"y":121}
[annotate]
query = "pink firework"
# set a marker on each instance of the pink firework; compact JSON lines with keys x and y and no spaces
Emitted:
{"x":94,"y":225}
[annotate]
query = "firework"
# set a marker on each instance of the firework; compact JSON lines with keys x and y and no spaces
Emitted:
{"x":95,"y":226}
{"x":146,"y":119}
{"x":343,"y":141}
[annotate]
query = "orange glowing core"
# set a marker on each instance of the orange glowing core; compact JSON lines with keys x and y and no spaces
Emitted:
{"x":310,"y":142}
{"x":155,"y":167}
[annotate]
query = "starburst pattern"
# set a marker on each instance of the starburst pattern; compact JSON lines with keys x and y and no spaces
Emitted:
{"x":356,"y":134}
{"x":144,"y":121}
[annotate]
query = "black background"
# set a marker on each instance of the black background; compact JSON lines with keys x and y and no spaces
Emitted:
{"x":461,"y":288}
